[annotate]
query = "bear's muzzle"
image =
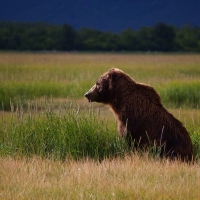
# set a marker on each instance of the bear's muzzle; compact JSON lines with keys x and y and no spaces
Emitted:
{"x":87,"y":96}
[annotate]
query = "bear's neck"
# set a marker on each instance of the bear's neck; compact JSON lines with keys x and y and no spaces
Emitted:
{"x":122,"y":96}
{"x":120,"y":102}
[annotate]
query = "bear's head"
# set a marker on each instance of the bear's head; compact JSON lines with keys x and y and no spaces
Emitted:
{"x":102,"y":91}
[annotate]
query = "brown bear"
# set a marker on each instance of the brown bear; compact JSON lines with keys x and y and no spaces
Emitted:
{"x":142,"y":119}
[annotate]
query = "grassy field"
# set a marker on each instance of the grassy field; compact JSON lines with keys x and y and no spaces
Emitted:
{"x":55,"y":145}
{"x":130,"y":178}
{"x":24,"y":76}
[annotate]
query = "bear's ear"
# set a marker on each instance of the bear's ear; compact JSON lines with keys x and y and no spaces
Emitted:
{"x":112,"y":73}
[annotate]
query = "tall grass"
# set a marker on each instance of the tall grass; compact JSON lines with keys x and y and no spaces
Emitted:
{"x":69,"y":131}
{"x":181,"y":94}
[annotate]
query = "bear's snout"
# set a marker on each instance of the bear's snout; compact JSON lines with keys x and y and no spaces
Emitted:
{"x":92,"y":94}
{"x":87,"y":95}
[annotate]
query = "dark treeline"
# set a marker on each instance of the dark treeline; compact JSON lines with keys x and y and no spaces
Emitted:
{"x":43,"y":36}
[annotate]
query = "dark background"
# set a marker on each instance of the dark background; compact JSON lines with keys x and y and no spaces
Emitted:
{"x":91,"y":25}
{"x":104,"y":15}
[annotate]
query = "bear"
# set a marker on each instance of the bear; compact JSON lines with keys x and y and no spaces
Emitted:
{"x":142,"y":118}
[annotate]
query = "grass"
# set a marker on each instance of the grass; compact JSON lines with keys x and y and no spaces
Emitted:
{"x":131,"y":177}
{"x":181,"y":94}
{"x":57,"y":148}
{"x":25,"y":76}
{"x":68,"y":131}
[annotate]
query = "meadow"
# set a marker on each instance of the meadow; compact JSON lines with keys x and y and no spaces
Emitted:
{"x":55,"y":145}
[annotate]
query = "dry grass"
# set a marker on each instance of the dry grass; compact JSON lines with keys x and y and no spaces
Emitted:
{"x":60,"y":67}
{"x":130,"y":178}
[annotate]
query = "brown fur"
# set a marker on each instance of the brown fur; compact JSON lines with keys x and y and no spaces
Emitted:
{"x":141,"y":115}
